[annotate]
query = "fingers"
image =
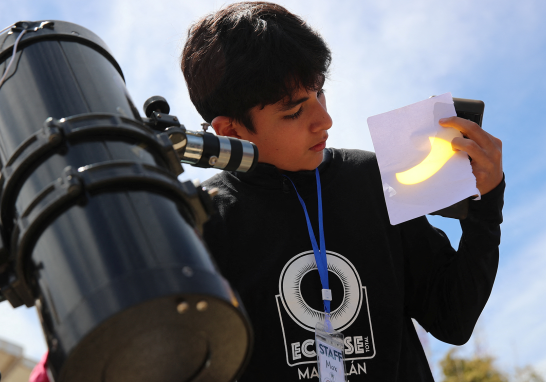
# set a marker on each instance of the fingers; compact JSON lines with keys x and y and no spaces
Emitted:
{"x":471,"y":130}
{"x":484,"y":148}
{"x":486,"y":165}
{"x":495,"y":140}
{"x":470,"y":147}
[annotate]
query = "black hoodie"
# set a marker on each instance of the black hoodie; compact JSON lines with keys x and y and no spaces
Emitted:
{"x":381,"y":276}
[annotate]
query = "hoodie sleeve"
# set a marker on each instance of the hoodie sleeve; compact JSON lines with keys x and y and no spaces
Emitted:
{"x":446,"y":290}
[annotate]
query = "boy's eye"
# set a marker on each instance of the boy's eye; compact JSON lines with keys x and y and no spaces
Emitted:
{"x":298,"y":113}
{"x":295,"y":115}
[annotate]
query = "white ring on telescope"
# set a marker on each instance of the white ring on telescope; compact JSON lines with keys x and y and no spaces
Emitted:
{"x":248,"y":156}
{"x":225,"y":152}
{"x":194,"y":147}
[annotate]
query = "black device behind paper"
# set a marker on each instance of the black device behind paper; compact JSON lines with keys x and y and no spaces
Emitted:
{"x":472,"y":110}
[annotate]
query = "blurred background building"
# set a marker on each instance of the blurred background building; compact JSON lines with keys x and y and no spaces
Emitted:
{"x":13,"y":365}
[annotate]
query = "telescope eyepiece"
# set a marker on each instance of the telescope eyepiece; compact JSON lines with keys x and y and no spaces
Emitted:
{"x":200,"y":148}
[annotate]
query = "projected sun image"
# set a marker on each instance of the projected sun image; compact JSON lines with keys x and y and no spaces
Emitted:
{"x":440,"y":153}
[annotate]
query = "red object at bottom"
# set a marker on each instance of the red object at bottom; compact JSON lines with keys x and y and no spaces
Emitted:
{"x":39,"y":373}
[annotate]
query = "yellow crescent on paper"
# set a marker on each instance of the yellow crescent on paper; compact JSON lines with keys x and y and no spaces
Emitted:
{"x":439,"y":154}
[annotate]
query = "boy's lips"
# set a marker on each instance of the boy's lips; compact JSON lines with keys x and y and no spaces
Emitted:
{"x":319,"y":146}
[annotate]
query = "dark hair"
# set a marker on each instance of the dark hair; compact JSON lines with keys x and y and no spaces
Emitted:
{"x":249,"y":54}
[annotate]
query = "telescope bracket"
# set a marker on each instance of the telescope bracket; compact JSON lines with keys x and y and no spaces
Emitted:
{"x":161,"y":121}
{"x":74,"y":184}
{"x":33,"y":26}
{"x":54,"y":133}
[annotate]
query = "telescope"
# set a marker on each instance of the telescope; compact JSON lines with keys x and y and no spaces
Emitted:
{"x":96,"y":230}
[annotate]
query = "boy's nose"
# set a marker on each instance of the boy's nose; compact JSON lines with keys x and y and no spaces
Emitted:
{"x":322,"y":120}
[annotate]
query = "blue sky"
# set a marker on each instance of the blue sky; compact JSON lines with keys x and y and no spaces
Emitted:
{"x":386,"y":54}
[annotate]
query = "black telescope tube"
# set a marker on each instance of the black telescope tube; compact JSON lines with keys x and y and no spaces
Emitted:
{"x":97,"y":231}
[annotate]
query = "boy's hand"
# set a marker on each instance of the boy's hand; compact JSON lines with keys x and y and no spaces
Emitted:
{"x":484,"y":149}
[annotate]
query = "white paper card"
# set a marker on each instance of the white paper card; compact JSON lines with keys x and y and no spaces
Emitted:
{"x":419,"y":171}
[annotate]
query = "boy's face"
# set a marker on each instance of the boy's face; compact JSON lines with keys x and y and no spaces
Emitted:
{"x":291,"y":136}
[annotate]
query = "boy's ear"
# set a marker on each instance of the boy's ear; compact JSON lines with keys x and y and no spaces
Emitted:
{"x":227,"y":127}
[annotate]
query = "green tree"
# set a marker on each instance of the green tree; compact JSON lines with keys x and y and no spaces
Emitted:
{"x":527,"y":374}
{"x":475,"y":369}
{"x":482,"y":369}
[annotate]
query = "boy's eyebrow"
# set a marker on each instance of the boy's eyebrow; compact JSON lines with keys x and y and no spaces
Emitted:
{"x":290,"y":105}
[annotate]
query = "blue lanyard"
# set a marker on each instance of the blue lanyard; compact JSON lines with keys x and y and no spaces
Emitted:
{"x":320,"y":253}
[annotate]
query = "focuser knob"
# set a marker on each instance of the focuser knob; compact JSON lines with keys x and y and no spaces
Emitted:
{"x":156,"y":103}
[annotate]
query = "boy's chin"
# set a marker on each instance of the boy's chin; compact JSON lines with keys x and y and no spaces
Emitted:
{"x":307,"y":165}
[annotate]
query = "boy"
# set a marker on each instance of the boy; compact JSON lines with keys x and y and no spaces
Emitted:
{"x":255,"y":71}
